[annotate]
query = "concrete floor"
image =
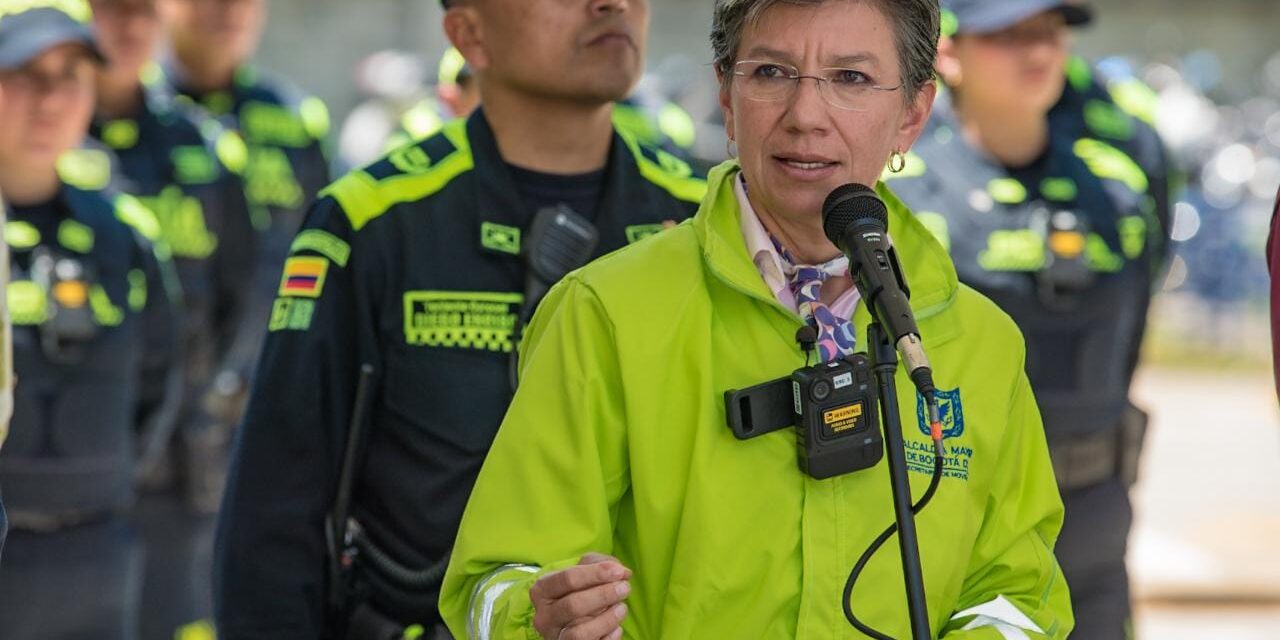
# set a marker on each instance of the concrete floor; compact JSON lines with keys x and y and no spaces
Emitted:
{"x":1203,"y":553}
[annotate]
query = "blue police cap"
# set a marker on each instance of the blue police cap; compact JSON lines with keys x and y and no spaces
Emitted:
{"x":31,"y":27}
{"x":987,"y":16}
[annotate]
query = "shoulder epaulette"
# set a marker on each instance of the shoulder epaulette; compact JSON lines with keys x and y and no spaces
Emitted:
{"x":410,"y":173}
{"x":667,"y":171}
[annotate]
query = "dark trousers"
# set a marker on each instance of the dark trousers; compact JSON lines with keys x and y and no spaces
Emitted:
{"x":1091,"y":551}
{"x":79,"y":583}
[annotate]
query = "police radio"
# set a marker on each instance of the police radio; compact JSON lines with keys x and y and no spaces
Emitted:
{"x":833,"y":408}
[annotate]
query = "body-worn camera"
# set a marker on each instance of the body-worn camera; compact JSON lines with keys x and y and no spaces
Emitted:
{"x":833,"y":408}
{"x":67,"y":288}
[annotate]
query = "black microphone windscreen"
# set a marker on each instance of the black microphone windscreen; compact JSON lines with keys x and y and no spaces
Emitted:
{"x":849,"y":204}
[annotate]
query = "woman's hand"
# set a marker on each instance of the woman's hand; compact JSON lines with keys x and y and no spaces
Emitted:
{"x":582,"y":602}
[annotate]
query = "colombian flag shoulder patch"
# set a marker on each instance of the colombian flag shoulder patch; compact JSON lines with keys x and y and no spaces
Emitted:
{"x":304,"y":277}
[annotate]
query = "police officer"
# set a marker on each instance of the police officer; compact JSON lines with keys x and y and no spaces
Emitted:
{"x":1067,"y":233}
{"x":95,"y":327}
{"x":403,"y":107}
{"x":6,"y":359}
{"x":457,"y":95}
{"x":212,"y":42}
{"x":420,"y":266}
{"x":183,"y":166}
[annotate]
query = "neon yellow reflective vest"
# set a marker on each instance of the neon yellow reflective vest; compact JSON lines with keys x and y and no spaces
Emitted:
{"x":616,"y":442}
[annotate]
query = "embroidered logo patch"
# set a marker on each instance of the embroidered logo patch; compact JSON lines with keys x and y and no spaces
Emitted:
{"x":500,"y":238}
{"x":303,"y":277}
{"x":949,"y":408}
{"x":291,"y":314}
{"x":479,"y":320}
{"x":411,"y":159}
{"x":920,"y":454}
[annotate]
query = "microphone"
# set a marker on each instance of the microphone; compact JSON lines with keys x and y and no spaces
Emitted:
{"x":856,"y":220}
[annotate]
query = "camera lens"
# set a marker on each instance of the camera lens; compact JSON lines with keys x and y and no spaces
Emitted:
{"x":821,"y":390}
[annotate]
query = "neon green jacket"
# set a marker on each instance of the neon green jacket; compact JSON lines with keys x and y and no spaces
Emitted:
{"x":616,"y":442}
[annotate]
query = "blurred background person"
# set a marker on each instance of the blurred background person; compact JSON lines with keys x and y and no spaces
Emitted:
{"x":1063,"y":231}
{"x":1273,"y":265}
{"x":185,"y":167}
{"x":426,"y":265}
{"x":457,"y":96}
{"x":211,"y":44}
{"x":92,"y":296}
{"x":646,"y":114}
{"x":399,"y":110}
{"x":6,"y":355}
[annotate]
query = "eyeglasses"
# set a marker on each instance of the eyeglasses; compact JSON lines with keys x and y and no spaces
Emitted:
{"x":847,"y":89}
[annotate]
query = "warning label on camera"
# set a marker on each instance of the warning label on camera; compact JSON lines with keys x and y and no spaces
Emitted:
{"x":842,"y":418}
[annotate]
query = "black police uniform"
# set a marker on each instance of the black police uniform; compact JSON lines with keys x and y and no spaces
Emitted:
{"x":413,"y":266}
{"x":285,"y":132}
{"x":1093,"y":542}
{"x":8,"y":376}
{"x":94,"y":326}
{"x":185,"y":167}
{"x":1070,"y":247}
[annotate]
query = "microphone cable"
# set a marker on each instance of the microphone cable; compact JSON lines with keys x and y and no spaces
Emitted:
{"x":935,"y":434}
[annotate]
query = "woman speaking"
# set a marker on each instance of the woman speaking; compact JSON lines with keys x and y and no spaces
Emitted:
{"x":616,"y":499}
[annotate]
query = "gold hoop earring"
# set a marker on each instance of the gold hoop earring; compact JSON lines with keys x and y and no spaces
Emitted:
{"x":731,"y":148}
{"x":897,"y":162}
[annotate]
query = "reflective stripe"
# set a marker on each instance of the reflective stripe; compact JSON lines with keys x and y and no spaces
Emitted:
{"x":75,"y":236}
{"x":323,"y":243}
{"x":232,"y":151}
{"x":315,"y":117}
{"x":1007,"y":191}
{"x":1001,"y":615}
{"x":86,"y":169}
{"x":21,"y":235}
{"x":479,"y":621}
{"x":120,"y":134}
{"x":1079,"y":73}
{"x":1106,"y":161}
{"x":132,"y":212}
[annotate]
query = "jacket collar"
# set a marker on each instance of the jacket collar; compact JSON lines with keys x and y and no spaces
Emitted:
{"x":929,"y":271}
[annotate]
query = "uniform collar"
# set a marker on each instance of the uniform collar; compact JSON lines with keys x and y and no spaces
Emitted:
{"x":498,"y":202}
{"x":219,"y":102}
{"x":125,"y":133}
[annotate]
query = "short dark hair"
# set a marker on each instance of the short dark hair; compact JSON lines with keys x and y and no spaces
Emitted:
{"x":916,"y":27}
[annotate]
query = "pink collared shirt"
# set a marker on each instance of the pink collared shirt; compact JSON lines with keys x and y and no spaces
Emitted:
{"x":770,"y":263}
